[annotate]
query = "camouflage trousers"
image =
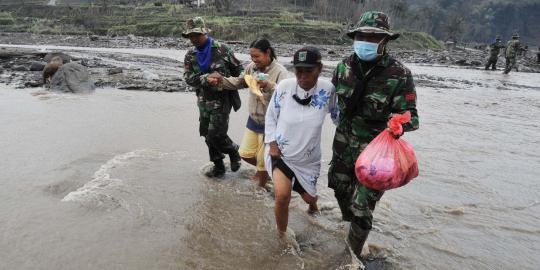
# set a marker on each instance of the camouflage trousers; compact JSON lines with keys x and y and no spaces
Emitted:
{"x":510,"y":64}
{"x":356,"y":202}
{"x":492,"y":62}
{"x":213,"y":126}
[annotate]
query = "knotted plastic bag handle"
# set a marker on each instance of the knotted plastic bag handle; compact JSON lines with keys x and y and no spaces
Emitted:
{"x":395,"y":124}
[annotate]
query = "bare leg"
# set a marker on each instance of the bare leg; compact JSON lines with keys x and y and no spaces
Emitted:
{"x":251,"y":161}
{"x":263,"y":177}
{"x":312,"y":202}
{"x":282,"y":190}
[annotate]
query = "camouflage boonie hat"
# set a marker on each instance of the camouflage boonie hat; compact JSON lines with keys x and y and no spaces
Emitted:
{"x":373,"y":22}
{"x":195,"y":25}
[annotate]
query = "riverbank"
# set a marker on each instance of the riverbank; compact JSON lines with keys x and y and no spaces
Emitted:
{"x":125,"y":63}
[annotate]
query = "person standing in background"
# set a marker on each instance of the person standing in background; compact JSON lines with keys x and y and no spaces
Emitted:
{"x":513,"y":47}
{"x":494,"y":50}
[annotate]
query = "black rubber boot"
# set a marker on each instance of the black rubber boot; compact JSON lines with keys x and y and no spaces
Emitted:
{"x":218,"y":170}
{"x":236,"y":160}
{"x":357,"y":238}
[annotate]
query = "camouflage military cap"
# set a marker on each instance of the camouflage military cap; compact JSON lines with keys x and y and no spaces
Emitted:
{"x":373,"y":22}
{"x":195,"y":25}
{"x":515,"y":36}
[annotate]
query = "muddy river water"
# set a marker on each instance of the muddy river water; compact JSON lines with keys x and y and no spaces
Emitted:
{"x":112,"y":180}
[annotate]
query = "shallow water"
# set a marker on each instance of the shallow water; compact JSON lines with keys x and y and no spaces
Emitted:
{"x":113,"y":180}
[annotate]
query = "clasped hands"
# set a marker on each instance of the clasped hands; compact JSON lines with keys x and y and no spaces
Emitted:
{"x":215,"y":79}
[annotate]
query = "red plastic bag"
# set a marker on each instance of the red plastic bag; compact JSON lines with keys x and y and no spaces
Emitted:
{"x":387,"y":162}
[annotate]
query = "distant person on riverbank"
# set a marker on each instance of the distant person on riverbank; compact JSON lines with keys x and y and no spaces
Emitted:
{"x":267,"y":73}
{"x":293,"y":127}
{"x":210,"y":56}
{"x":513,"y":47}
{"x":371,"y":86}
{"x":524,"y":51}
{"x":51,"y":68}
{"x":494,"y":50}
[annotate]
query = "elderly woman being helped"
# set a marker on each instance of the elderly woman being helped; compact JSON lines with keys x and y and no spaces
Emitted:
{"x":267,"y":73}
{"x":293,"y":133}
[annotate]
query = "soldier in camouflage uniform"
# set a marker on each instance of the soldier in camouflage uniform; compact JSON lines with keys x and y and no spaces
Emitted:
{"x":208,"y":57}
{"x":370,"y":85}
{"x":512,"y":48}
{"x":494,"y":50}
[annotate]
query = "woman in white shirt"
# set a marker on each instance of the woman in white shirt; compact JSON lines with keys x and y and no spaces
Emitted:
{"x":293,"y":128}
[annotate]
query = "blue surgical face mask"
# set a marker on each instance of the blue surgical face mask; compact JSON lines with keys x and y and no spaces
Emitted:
{"x":366,"y":51}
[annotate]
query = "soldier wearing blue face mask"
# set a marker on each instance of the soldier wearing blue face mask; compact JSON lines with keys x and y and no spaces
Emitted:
{"x":370,"y":86}
{"x":368,"y":47}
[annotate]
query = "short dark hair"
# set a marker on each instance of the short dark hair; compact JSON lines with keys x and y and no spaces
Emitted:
{"x":263,"y":45}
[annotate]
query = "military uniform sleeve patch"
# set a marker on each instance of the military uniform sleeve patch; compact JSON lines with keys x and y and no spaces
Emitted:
{"x":410,"y":97}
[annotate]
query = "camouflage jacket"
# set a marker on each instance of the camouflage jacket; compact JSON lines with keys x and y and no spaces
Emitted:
{"x":391,"y":90}
{"x":495,"y":48}
{"x":512,"y":48}
{"x":222,"y":61}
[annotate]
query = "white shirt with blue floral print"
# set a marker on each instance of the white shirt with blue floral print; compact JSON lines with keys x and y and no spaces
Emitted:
{"x":297,"y":128}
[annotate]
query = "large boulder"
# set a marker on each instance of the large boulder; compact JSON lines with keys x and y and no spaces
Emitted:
{"x":116,"y":70}
{"x":72,"y":77}
{"x":461,"y":62}
{"x":37,"y":66}
{"x":149,"y":76}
